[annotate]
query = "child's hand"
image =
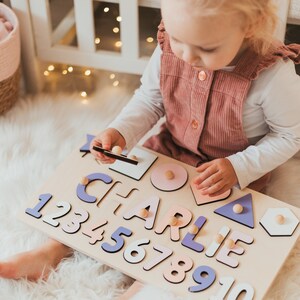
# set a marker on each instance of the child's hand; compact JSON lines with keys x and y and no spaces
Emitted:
{"x":107,"y":139}
{"x":216,"y":177}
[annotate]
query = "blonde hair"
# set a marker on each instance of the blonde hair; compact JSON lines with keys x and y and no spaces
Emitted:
{"x":259,"y":17}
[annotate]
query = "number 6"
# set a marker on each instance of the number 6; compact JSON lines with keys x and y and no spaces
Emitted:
{"x":134,"y":253}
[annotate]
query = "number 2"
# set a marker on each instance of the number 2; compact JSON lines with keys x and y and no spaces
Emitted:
{"x":50,"y":218}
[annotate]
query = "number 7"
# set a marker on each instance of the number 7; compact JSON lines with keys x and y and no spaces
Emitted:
{"x":165,"y":253}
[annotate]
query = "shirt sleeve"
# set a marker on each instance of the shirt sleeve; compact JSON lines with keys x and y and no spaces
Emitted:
{"x":280,"y":102}
{"x":145,"y":108}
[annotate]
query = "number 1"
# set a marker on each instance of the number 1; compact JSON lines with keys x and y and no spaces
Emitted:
{"x":35,"y":212}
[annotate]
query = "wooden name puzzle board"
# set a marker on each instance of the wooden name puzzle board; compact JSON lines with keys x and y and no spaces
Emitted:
{"x":148,"y":221}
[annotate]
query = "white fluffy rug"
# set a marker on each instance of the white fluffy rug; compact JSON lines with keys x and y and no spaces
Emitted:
{"x":36,"y":135}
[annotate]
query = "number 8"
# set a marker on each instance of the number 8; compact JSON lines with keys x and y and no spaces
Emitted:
{"x":179,"y":266}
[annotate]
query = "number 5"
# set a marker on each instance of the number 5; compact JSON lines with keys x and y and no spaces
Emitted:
{"x":116,"y":236}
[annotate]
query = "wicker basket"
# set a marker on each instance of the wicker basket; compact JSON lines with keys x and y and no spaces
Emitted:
{"x":9,"y":61}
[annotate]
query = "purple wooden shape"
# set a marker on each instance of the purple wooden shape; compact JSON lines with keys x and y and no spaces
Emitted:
{"x":35,"y":212}
{"x":86,"y":147}
{"x":81,"y":188}
{"x":204,"y":281}
{"x":116,"y":236}
{"x":245,"y":217}
{"x":188,"y":240}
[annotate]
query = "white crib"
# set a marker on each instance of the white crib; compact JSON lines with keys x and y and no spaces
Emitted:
{"x":40,"y":42}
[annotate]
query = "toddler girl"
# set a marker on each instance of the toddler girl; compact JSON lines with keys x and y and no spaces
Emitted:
{"x":230,"y":96}
{"x":228,"y":90}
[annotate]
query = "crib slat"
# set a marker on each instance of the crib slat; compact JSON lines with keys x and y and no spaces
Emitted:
{"x":30,"y":63}
{"x":40,"y":11}
{"x":145,"y":3}
{"x":63,"y":27}
{"x":129,"y":29}
{"x":150,"y":3}
{"x":105,"y":60}
{"x":84,"y":16}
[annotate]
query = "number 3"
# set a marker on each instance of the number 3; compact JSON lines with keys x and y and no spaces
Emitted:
{"x":81,"y":216}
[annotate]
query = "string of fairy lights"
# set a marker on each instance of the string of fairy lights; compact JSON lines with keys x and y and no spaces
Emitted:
{"x":68,"y":70}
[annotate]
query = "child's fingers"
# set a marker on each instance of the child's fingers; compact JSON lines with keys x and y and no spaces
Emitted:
{"x":210,"y":181}
{"x":106,"y":142}
{"x":98,"y":155}
{"x":94,"y":142}
{"x":102,"y":157}
{"x":214,"y":189}
{"x":107,"y":160}
{"x":205,"y":174}
{"x":203,"y":167}
{"x":217,"y":190}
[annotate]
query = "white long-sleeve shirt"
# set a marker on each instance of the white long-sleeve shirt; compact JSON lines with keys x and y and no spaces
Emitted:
{"x":271,"y":117}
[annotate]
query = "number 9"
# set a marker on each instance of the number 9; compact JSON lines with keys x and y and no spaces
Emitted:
{"x":205,"y":276}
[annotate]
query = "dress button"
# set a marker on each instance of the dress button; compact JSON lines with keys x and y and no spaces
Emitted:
{"x":202,"y":75}
{"x":195,"y":124}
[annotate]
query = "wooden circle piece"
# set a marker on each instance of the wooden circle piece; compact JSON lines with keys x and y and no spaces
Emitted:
{"x":84,"y":181}
{"x":161,"y":182}
{"x":237,"y":208}
{"x":229,"y":243}
{"x":173,"y":221}
{"x":133,"y":157}
{"x":143,"y":213}
{"x":193,"y":229}
{"x":280,"y":219}
{"x":116,"y":150}
{"x":169,"y":175}
{"x":219,"y":238}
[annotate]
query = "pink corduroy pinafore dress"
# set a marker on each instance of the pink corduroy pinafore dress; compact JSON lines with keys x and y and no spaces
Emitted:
{"x":204,"y":108}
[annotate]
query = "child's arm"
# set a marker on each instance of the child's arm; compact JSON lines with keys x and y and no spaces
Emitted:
{"x":145,"y":107}
{"x":137,"y":117}
{"x":276,"y":95}
{"x":280,"y":103}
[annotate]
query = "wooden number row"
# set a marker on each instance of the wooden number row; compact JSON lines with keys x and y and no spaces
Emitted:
{"x":135,"y":253}
{"x":179,"y":265}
